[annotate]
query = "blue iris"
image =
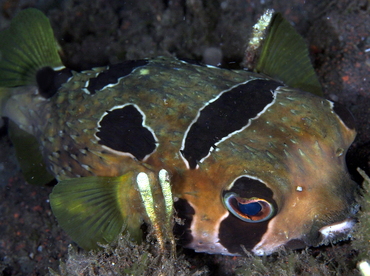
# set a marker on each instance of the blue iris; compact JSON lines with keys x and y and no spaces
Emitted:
{"x":250,"y":209}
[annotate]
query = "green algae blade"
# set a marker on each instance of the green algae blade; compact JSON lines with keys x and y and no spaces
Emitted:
{"x":25,"y":47}
{"x":29,"y":156}
{"x":5,"y":94}
{"x":97,"y":209}
{"x":284,"y":56}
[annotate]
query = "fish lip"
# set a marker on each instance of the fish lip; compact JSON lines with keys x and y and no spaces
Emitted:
{"x":337,"y":231}
{"x":210,"y":248}
{"x":259,"y":251}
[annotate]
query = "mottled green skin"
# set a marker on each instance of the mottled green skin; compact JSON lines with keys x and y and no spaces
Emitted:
{"x":169,"y":92}
{"x":298,"y":142}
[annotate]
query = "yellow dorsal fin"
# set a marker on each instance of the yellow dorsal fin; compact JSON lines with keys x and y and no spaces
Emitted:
{"x":282,"y":54}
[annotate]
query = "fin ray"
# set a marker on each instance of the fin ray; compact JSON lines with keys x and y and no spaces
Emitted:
{"x":285,"y":56}
{"x":25,"y":47}
{"x":95,"y":209}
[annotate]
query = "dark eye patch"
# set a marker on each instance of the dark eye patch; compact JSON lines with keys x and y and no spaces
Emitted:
{"x":186,"y":213}
{"x":229,"y":113}
{"x":249,"y":234}
{"x":123,"y":130}
{"x":113,"y":73}
{"x":248,"y":187}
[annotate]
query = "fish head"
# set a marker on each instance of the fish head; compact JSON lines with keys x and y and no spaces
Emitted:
{"x":280,"y":182}
{"x":227,"y":216}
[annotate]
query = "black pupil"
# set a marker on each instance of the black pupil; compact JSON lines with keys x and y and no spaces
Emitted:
{"x":250,"y":209}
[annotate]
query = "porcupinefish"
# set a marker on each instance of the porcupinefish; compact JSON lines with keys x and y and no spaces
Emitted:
{"x":249,"y":160}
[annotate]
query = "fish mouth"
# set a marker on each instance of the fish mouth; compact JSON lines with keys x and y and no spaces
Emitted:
{"x":210,"y":247}
{"x":337,"y":231}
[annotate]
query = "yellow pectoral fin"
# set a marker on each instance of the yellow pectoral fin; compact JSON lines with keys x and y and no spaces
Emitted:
{"x":96,"y":209}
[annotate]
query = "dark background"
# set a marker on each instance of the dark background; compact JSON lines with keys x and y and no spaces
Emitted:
{"x":97,"y":32}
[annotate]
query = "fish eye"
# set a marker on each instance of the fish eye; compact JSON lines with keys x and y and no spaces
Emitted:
{"x":252,"y":209}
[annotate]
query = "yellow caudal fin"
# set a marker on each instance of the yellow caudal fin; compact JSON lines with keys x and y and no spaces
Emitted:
{"x":25,"y":47}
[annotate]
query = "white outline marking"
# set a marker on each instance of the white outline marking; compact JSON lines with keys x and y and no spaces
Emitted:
{"x":121,"y":153}
{"x":332,"y":105}
{"x":249,"y":176}
{"x":118,"y":80}
{"x":58,"y":68}
{"x":274,"y":93}
{"x":86,"y":91}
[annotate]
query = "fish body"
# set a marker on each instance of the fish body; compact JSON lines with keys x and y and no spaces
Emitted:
{"x":251,"y":162}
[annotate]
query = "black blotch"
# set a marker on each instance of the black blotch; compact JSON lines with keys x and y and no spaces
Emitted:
{"x":49,"y":81}
{"x":345,"y":115}
{"x":185,"y":212}
{"x":122,"y":130}
{"x":235,"y":233}
{"x":248,"y":234}
{"x":230,"y":112}
{"x":113,"y":73}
